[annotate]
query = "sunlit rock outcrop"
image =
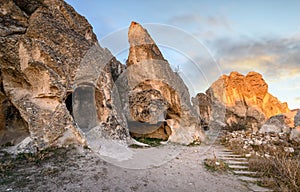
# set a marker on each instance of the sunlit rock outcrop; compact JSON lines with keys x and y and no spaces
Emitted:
{"x":246,"y":99}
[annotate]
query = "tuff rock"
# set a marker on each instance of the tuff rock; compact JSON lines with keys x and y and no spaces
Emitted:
{"x":245,"y":101}
{"x":167,"y":101}
{"x":44,"y":45}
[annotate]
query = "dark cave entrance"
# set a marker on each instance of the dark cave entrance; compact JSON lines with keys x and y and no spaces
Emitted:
{"x":69,"y":103}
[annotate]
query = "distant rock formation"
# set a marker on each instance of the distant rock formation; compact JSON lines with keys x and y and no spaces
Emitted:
{"x":157,"y":94}
{"x":43,"y":44}
{"x":246,"y":100}
{"x":203,"y":105}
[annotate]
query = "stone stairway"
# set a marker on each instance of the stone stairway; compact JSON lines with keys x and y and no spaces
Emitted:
{"x":239,"y":166}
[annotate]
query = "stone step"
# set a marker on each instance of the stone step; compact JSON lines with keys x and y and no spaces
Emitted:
{"x":256,"y":188}
{"x":238,"y":167}
{"x":248,"y":179}
{"x":221,"y":148}
{"x":223,"y":151}
{"x":235,"y":158}
{"x":232,"y":156}
{"x":231,"y":162}
{"x":244,"y":172}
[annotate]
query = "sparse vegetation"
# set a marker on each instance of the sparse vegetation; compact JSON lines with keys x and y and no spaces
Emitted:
{"x":38,"y":166}
{"x":153,"y":142}
{"x":278,"y":167}
{"x":195,"y":143}
{"x":9,"y":162}
{"x":216,"y":165}
{"x":280,"y":171}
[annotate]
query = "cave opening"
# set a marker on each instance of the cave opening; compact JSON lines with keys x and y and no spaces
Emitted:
{"x":69,"y":103}
{"x":13,"y":128}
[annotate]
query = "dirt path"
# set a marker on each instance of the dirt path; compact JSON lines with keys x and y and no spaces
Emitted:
{"x":82,"y":170}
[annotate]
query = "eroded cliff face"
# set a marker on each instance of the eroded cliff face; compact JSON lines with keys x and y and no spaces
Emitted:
{"x":246,"y":100}
{"x":167,"y":100}
{"x":43,"y":45}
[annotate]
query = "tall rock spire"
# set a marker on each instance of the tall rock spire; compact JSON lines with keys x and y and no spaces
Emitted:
{"x":142,"y":46}
{"x":158,"y":97}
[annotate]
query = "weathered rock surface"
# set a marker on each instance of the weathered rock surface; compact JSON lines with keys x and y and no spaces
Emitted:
{"x":246,"y":99}
{"x":43,"y":44}
{"x":203,"y":106}
{"x":297,"y":119}
{"x":151,"y":79}
{"x":295,"y":134}
{"x":279,"y":123}
{"x":12,"y":127}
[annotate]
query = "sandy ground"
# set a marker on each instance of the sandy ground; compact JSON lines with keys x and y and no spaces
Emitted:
{"x":82,"y":170}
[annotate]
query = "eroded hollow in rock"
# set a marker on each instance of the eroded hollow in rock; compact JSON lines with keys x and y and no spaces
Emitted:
{"x":151,"y":104}
{"x":13,"y":129}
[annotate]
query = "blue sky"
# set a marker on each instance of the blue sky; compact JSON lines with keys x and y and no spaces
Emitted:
{"x":262,"y":36}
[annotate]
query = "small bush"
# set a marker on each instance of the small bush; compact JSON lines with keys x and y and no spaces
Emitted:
{"x":215,"y":165}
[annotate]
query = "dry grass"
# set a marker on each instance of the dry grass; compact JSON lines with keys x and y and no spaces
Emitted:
{"x":215,"y":165}
{"x":280,"y":171}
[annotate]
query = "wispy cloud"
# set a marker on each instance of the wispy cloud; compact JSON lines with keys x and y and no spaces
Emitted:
{"x":275,"y":57}
{"x":205,"y":27}
{"x":186,"y":19}
{"x":219,"y":21}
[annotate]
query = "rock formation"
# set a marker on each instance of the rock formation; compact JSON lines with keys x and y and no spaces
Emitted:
{"x":246,"y":99}
{"x":277,"y":124}
{"x":297,"y":119}
{"x":43,"y":46}
{"x":203,"y":105}
{"x":157,"y":95}
{"x":13,"y":128}
{"x":280,"y":123}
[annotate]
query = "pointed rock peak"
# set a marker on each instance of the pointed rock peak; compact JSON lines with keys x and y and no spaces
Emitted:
{"x":137,"y":35}
{"x":142,"y":46}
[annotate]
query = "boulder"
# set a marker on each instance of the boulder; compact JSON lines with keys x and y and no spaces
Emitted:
{"x":280,"y":123}
{"x":156,"y":93}
{"x":295,"y":134}
{"x":277,"y":124}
